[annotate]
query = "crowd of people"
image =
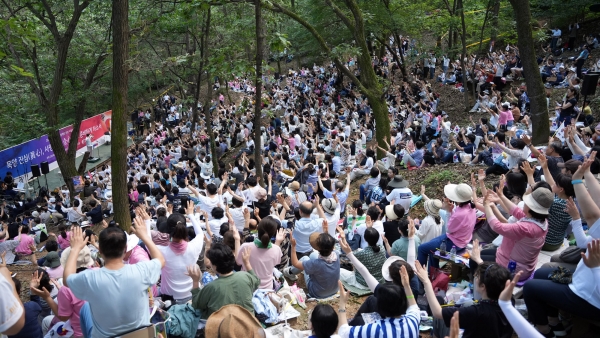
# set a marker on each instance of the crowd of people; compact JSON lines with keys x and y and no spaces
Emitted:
{"x":209,"y":234}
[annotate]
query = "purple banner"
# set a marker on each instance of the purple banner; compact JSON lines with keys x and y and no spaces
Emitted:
{"x":18,"y":159}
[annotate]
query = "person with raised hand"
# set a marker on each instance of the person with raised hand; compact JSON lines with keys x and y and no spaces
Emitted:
{"x":11,"y":321}
{"x":544,"y":297}
{"x":482,"y":320}
{"x":516,"y":320}
{"x":124,"y":288}
{"x":180,"y":253}
{"x":395,"y":304}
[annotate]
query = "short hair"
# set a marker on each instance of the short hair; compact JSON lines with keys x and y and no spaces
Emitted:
{"x":391,"y":300}
{"x":494,"y":277}
{"x":51,"y":245}
{"x":305,"y":209}
{"x":112,"y":242}
{"x":374,"y":172}
{"x":211,"y":188}
{"x":324,"y":321}
{"x":221,"y":257}
{"x":325,"y":243}
{"x":93,"y":203}
{"x":217,"y":212}
{"x":403,"y":226}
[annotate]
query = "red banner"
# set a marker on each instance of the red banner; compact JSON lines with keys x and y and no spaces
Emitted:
{"x":96,"y":126}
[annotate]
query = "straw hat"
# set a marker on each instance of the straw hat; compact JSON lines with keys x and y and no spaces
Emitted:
{"x":294,"y":186}
{"x":432,"y":207}
{"x":233,"y":321}
{"x":84,"y":259}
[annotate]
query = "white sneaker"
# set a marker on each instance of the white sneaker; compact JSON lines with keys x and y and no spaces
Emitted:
{"x":288,"y":274}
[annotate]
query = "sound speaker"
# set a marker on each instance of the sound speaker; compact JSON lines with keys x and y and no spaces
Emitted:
{"x":45,"y":168}
{"x":35,"y":170}
{"x":590,"y":82}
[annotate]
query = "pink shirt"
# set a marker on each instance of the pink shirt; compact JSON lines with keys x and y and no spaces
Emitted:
{"x":69,"y":305}
{"x":138,"y":254}
{"x":505,"y":116}
{"x":263,"y":261}
{"x":460,"y":226}
{"x":24,"y":244}
{"x":55,"y":272}
{"x":522,"y":241}
{"x":64,"y":242}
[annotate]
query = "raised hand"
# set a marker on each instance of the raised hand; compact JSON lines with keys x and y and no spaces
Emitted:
{"x":189,"y":208}
{"x":421,"y":272}
{"x":506,"y":294}
{"x":527,"y":168}
{"x":77,"y":240}
{"x":592,"y":259}
{"x":194,"y":272}
{"x":481,"y":175}
{"x":411,"y":227}
{"x":572,"y":209}
{"x":543,"y":160}
{"x":476,"y":252}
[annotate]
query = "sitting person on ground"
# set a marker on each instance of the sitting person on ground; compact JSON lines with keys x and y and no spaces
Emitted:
{"x":127,"y":283}
{"x":31,"y":327}
{"x":393,"y":215}
{"x":323,"y":321}
{"x":373,"y":220}
{"x":372,"y":257}
{"x":367,"y":187}
{"x":431,"y":226}
{"x":460,"y":224}
{"x":364,"y":169}
{"x":523,"y":240}
{"x":400,"y":246}
{"x":264,"y":254}
{"x":304,"y":227}
{"x":482,"y":320}
{"x":395,"y":304}
{"x":400,"y":193}
{"x":26,"y":248}
{"x":321,"y":269}
{"x":180,"y":253}
{"x":230,"y":288}
{"x":413,"y":157}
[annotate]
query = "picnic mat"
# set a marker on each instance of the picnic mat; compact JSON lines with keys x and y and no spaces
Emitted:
{"x":356,"y":291}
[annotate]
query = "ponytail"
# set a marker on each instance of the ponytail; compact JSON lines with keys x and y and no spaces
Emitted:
{"x":265,"y":239}
{"x":63,"y":231}
{"x":376,"y":248}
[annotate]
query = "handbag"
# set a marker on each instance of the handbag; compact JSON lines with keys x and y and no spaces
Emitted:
{"x":571,"y":255}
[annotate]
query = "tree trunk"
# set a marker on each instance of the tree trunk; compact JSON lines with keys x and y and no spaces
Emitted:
{"x":118,"y":148}
{"x":494,"y":21}
{"x":463,"y":40}
{"x":535,"y":87}
{"x":260,"y":40}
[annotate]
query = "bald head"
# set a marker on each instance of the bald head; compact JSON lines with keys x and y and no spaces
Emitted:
{"x":306,"y":209}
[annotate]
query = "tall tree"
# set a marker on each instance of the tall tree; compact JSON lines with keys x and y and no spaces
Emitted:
{"x":25,"y":47}
{"x":368,"y":84}
{"x":535,"y":87}
{"x":260,"y":45}
{"x":120,"y":12}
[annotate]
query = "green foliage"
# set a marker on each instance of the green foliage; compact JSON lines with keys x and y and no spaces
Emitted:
{"x":435,"y":179}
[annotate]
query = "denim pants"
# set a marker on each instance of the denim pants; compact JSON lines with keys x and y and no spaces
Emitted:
{"x":427,"y":249}
{"x":294,"y":270}
{"x":362,"y":193}
{"x":544,"y":298}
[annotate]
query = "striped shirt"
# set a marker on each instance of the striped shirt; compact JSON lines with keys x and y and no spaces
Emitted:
{"x":406,"y":326}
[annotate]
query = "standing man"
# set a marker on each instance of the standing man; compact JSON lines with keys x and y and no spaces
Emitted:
{"x":585,"y":53}
{"x":573,"y":36}
{"x":88,"y":143}
{"x":432,"y":62}
{"x":556,"y":33}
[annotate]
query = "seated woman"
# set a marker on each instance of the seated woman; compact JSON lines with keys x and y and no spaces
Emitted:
{"x":460,"y":224}
{"x":372,"y":257}
{"x":323,"y":321}
{"x":484,"y":319}
{"x":230,"y":288}
{"x":544,"y":297}
{"x":395,"y":304}
{"x":523,"y":240}
{"x":265,"y":255}
{"x":180,"y":253}
{"x":400,"y":246}
{"x":431,"y":226}
{"x":321,"y":272}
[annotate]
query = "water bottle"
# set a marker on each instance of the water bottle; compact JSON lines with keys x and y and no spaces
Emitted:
{"x":443,"y":249}
{"x":512,"y":266}
{"x":453,"y":253}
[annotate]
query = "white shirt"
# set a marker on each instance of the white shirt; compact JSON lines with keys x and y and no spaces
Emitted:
{"x":209,"y":203}
{"x":10,"y":305}
{"x":429,"y":229}
{"x":238,"y":217}
{"x":377,"y":225}
{"x":402,"y":196}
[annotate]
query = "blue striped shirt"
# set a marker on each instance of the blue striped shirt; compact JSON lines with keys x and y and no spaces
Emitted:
{"x":406,"y":326}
